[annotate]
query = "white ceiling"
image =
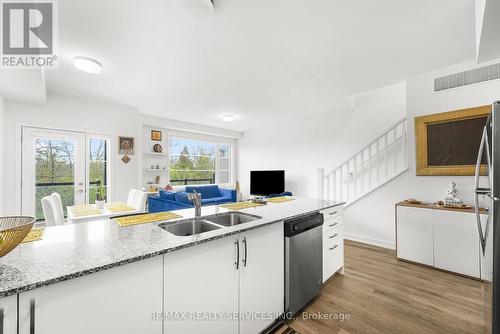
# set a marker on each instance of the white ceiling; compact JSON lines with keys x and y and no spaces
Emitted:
{"x":262,"y":60}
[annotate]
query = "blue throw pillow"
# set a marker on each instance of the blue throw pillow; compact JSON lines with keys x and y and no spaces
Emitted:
{"x":182,"y":197}
{"x":210,"y":191}
{"x":168,"y":195}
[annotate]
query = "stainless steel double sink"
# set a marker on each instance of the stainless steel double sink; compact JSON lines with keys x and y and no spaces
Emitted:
{"x":203,"y":224}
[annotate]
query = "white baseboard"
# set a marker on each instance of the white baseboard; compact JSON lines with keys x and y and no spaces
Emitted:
{"x":370,"y":241}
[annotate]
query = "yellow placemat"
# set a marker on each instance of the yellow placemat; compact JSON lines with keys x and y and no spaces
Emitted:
{"x":240,"y":205}
{"x":147,"y":218}
{"x":34,"y":235}
{"x":118,"y":207}
{"x":279,"y":199}
{"x":85,"y":210}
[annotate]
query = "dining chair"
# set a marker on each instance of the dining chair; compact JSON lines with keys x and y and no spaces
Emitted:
{"x":59,"y":211}
{"x":137,"y":200}
{"x":48,"y":208}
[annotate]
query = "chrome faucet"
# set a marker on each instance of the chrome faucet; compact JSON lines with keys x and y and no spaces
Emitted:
{"x":195,"y":197}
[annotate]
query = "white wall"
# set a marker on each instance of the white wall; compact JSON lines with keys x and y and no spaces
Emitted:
{"x":2,"y":150}
{"x":64,"y":112}
{"x":322,"y":140}
{"x":372,"y":219}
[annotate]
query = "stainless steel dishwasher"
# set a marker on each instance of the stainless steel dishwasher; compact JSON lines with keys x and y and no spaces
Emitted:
{"x":303,"y":261}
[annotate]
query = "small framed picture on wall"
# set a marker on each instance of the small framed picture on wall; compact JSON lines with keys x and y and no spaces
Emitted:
{"x":156,"y":135}
{"x":126,"y":145}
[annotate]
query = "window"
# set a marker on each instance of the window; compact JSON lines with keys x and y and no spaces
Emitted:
{"x":98,"y":167}
{"x":195,"y":161}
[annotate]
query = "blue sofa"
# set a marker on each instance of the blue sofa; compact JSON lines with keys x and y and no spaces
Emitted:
{"x":171,"y":201}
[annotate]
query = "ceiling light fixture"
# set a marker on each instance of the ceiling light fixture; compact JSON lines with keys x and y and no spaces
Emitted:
{"x":87,"y":65}
{"x":228,"y":118}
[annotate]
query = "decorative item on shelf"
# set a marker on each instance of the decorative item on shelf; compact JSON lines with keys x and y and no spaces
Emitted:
{"x":156,"y":135}
{"x":152,"y":167}
{"x":100,"y":196}
{"x":126,"y":145}
{"x":152,"y":189}
{"x":169,"y":187}
{"x":452,"y":200}
{"x":412,"y":201}
{"x":157,"y":166}
{"x":126,"y":159}
{"x":259,"y":199}
{"x":164,"y":167}
{"x":157,"y":148}
{"x":157,"y":179}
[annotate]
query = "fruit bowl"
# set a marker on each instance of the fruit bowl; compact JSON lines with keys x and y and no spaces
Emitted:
{"x":12,"y":231}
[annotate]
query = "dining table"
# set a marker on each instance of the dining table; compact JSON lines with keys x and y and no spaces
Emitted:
{"x":90,"y":212}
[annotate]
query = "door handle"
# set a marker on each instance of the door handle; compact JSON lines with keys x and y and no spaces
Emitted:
{"x":333,"y":236}
{"x":237,"y":263}
{"x":32,"y":316}
{"x":332,"y":213}
{"x":332,"y":225}
{"x":245,"y":253}
{"x":1,"y":320}
{"x":332,"y":248}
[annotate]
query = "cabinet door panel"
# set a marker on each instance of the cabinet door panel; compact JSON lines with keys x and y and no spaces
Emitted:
{"x":415,"y":235}
{"x":202,"y":279}
{"x":456,"y":242}
{"x":118,"y":300}
{"x":8,"y":315}
{"x":262,"y":278}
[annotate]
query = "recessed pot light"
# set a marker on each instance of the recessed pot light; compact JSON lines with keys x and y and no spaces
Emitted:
{"x":87,"y":65}
{"x":228,"y":118}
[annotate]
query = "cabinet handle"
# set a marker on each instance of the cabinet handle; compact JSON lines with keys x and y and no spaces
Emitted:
{"x":32,"y":316}
{"x":334,"y":224}
{"x":333,"y":236}
{"x":245,"y":258}
{"x":332,"y":213}
{"x":237,"y":263}
{"x":332,"y":248}
{"x":1,"y":320}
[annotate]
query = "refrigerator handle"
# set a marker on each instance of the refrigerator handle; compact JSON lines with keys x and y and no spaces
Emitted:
{"x":482,"y":236}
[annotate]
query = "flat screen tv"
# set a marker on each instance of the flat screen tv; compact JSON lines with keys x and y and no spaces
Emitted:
{"x":267,"y":182}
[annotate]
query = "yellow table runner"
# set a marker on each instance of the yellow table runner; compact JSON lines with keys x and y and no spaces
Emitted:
{"x":240,"y":205}
{"x":34,"y":235}
{"x":147,"y":218}
{"x":119,"y":207}
{"x":279,"y":199}
{"x":85,"y":210}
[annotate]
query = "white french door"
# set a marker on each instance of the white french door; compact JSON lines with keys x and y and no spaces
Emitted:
{"x":70,"y":163}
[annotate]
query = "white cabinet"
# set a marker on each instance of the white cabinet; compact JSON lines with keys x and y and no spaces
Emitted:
{"x":333,"y":241}
{"x":415,"y":235}
{"x":205,"y":281}
{"x":456,"y":242}
{"x":202,"y":279}
{"x":443,"y":238}
{"x":8,"y":315}
{"x":120,"y":300}
{"x":261,"y":277}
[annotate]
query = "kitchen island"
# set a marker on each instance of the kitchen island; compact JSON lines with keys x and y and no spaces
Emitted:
{"x":152,"y":272}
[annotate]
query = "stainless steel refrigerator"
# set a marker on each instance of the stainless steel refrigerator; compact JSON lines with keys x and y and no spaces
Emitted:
{"x":487,"y":194}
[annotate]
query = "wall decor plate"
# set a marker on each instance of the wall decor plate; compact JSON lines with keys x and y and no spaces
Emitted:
{"x":157,"y":148}
{"x":126,"y":159}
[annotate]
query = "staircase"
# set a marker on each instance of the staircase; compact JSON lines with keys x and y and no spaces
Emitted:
{"x":377,"y":163}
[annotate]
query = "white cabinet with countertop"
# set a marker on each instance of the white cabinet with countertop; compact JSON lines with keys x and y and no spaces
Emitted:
{"x":8,"y":315}
{"x":120,"y":300}
{"x":211,"y":285}
{"x":333,"y":241}
{"x":440,"y":237}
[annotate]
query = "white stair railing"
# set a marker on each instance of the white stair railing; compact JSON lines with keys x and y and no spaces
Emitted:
{"x":382,"y":160}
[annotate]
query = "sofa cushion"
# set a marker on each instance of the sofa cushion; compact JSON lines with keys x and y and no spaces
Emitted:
{"x":167,"y":195}
{"x":206,"y":192}
{"x":215,"y":200}
{"x":182,"y":197}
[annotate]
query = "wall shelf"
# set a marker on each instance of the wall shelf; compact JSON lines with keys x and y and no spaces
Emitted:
{"x":155,"y":170}
{"x":156,"y":153}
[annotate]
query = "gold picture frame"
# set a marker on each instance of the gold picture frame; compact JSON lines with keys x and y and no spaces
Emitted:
{"x":421,"y":142}
{"x":156,"y":135}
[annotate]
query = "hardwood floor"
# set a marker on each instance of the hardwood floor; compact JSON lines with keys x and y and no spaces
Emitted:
{"x":383,"y":295}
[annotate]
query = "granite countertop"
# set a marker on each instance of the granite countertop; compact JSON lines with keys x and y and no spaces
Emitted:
{"x":75,"y":250}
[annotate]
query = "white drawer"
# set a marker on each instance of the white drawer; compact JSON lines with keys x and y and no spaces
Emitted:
{"x":332,"y":223}
{"x":332,"y":212}
{"x":333,"y":258}
{"x":333,"y":234}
